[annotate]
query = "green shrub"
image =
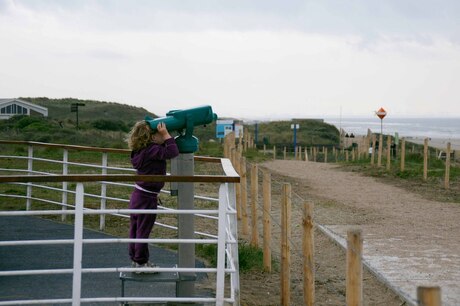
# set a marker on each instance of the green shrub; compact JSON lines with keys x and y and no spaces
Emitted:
{"x":109,"y":125}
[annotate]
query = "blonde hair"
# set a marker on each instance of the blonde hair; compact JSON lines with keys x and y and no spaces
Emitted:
{"x":140,"y":136}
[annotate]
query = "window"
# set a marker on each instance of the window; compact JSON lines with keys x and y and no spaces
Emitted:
{"x":14,"y":109}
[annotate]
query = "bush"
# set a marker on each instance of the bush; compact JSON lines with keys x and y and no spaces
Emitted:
{"x":110,"y":125}
{"x":25,"y":121}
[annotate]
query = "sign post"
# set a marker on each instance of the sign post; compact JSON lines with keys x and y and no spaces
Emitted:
{"x":74,"y":108}
{"x":381,"y":113}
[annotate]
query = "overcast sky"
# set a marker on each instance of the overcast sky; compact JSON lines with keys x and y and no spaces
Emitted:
{"x":261,"y":59}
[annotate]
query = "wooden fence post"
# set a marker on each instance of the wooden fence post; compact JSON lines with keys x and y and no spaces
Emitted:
{"x":285,"y":245}
{"x":325,"y":154}
{"x":306,"y":154}
{"x":238,"y":186}
{"x":446,"y":178}
{"x":388,"y":152}
{"x":425,"y":159}
{"x":354,"y":277}
{"x":284,"y":153}
{"x":346,"y":155}
{"x":373,"y":149}
{"x":403,"y":154}
{"x":274,"y":152}
{"x":429,"y":296}
{"x":244,"y":196}
{"x":379,"y":156}
{"x":267,"y":197}
{"x":265,"y":149}
{"x":314,"y":154}
{"x":254,"y":204}
{"x":308,"y":252}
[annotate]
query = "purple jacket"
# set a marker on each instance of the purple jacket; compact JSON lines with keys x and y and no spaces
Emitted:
{"x":152,"y":160}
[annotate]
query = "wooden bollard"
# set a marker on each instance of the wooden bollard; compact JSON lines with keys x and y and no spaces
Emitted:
{"x":388,"y":153}
{"x":325,"y":154}
{"x":244,"y":196}
{"x":285,"y":245}
{"x":238,"y":186}
{"x":379,"y":155}
{"x":446,"y":177}
{"x":254,"y":204}
{"x":265,"y":149}
{"x":274,"y":152}
{"x":429,"y":296}
{"x":354,"y":277}
{"x":403,"y":154}
{"x":425,"y":159}
{"x":267,"y":197}
{"x":308,"y":252}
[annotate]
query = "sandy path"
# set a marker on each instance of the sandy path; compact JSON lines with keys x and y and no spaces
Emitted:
{"x":409,"y":240}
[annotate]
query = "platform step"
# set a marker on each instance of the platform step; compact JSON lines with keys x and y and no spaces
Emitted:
{"x":150,"y":277}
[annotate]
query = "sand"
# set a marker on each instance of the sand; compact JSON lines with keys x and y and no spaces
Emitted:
{"x":440,"y":143}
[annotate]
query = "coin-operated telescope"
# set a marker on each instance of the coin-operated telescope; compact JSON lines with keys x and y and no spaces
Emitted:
{"x":183,"y":121}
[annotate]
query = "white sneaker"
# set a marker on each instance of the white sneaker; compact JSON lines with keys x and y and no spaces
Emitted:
{"x":148,"y":264}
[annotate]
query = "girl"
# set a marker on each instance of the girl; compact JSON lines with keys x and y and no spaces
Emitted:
{"x":149,"y":152}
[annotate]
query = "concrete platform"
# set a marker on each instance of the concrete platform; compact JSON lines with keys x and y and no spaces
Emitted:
{"x":61,"y":257}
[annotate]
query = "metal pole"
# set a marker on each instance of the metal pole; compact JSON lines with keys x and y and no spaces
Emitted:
{"x":77,"y":116}
{"x":186,"y":227}
{"x":295,"y":139}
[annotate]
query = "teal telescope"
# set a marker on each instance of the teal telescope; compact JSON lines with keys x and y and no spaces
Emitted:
{"x":183,"y":121}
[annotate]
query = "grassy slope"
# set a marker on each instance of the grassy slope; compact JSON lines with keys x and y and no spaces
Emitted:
{"x":60,"y":126}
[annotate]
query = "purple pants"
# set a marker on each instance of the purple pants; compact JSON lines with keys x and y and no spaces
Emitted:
{"x":141,"y":224}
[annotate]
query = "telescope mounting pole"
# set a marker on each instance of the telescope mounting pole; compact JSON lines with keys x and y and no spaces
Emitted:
{"x":186,"y":285}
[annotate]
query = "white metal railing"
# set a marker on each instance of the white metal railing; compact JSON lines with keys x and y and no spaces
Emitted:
{"x":226,"y":238}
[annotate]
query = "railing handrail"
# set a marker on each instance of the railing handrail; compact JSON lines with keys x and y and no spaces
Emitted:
{"x":119,"y":178}
{"x":93,"y":149}
{"x":225,"y":239}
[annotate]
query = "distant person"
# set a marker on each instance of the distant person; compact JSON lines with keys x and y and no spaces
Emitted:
{"x":149,"y":152}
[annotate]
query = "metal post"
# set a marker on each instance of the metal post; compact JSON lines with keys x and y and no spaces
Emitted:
{"x":65,"y":171}
{"x":29,"y":172}
{"x":78,"y":245}
{"x":103,"y":192}
{"x":186,"y":227}
{"x":295,"y":141}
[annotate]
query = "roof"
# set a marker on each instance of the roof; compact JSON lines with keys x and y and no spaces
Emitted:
{"x":35,"y":107}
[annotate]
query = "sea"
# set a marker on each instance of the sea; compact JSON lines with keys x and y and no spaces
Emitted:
{"x":436,"y":128}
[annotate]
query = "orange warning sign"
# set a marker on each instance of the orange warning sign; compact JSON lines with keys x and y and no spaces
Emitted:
{"x":381,"y":113}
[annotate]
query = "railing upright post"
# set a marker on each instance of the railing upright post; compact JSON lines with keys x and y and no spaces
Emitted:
{"x":29,"y":172}
{"x":65,"y":171}
{"x":78,"y":245}
{"x":233,"y":224}
{"x":103,"y":192}
{"x":220,"y":276}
